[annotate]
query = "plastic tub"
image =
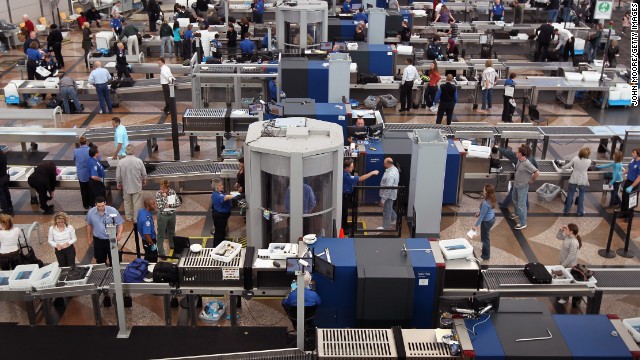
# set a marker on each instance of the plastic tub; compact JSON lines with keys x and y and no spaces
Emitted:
{"x":46,"y":277}
{"x":213,"y":311}
{"x":231,"y":249}
{"x":68,"y":173}
{"x":22,"y":277}
{"x":282,"y":251}
{"x":455,"y":248}
{"x":79,"y":281}
{"x":633,"y":325}
{"x":16,"y":172}
{"x":4,"y":279}
{"x":548,"y":192}
{"x":565,"y":272}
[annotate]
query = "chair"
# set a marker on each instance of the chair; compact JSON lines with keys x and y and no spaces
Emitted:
{"x":66,"y":22}
{"x":534,"y":116}
{"x":309,"y":316}
{"x":42,"y":20}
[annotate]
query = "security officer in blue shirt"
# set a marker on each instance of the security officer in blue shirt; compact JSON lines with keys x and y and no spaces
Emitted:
{"x":147,"y":230}
{"x":258,"y":12}
{"x":34,"y":56}
{"x":247,"y":48}
{"x":273,"y":90}
{"x":220,"y":210}
{"x":311,"y":298}
{"x":631,"y":183}
{"x":96,"y":173}
{"x":361,"y":16}
{"x":348,"y":182}
{"x":346,"y":7}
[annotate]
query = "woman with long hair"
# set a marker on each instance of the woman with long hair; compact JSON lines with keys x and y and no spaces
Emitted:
{"x":9,"y":243}
{"x":571,"y":243}
{"x":62,"y":236}
{"x":486,"y":217}
{"x":578,"y":180}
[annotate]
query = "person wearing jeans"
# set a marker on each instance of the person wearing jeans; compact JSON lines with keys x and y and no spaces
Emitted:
{"x":578,"y":180}
{"x":391,"y":177}
{"x":489,"y":78}
{"x":166,"y":34}
{"x":552,"y":10}
{"x":100,"y":78}
{"x":486,"y":219}
{"x":69,"y":90}
{"x":167,"y":201}
{"x":525,"y":175}
{"x":616,"y":177}
{"x":514,"y":159}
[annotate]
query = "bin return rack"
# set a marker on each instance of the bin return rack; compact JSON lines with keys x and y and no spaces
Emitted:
{"x":512,"y":282}
{"x":23,"y":135}
{"x":151,"y":133}
{"x":179,"y":171}
{"x":53,"y":116}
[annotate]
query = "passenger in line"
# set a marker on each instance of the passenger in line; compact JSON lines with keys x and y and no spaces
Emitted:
{"x":525,"y":175}
{"x":62,"y":236}
{"x":486,"y":218}
{"x":616,"y":177}
{"x":97,"y":218}
{"x":578,"y":180}
{"x":390,"y":178}
{"x":571,"y":243}
{"x":131,"y":176}
{"x":167,"y":202}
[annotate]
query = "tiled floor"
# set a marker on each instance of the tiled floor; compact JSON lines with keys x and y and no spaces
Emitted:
{"x":194,"y":218}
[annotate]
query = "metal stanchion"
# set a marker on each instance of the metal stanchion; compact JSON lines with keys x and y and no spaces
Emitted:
{"x":174,"y":122}
{"x":607,"y":253}
{"x":117,"y":279}
{"x":625,"y":252}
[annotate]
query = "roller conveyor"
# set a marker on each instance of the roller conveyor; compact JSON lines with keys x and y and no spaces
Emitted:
{"x":147,"y":85}
{"x":187,"y":170}
{"x":135,"y":132}
{"x":406,"y":127}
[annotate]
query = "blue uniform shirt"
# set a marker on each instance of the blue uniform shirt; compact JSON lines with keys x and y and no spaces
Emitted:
{"x":273,"y":91}
{"x":188,"y":34}
{"x":260,"y":7}
{"x":247,"y":47}
{"x":361,"y":17}
{"x":218,"y":203}
{"x":99,"y":222}
{"x":33,"y":54}
{"x":632,"y":175}
{"x":115,"y":23}
{"x":120,"y":136}
{"x":265,"y":41}
{"x":498,"y":10}
{"x":346,"y":7}
{"x":311,"y":298}
{"x":348,"y":182}
{"x":95,"y":168}
{"x":81,"y":158}
{"x":145,"y":223}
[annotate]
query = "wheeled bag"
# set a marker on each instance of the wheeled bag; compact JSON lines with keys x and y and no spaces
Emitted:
{"x":537,"y":273}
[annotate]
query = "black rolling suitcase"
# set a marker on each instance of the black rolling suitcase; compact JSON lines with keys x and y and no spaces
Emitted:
{"x":537,"y":273}
{"x":579,"y":59}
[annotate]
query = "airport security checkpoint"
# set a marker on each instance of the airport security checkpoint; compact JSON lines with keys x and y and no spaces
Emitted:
{"x":277,"y":179}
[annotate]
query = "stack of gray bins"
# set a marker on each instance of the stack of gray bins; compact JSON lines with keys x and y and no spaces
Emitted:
{"x":388,"y":101}
{"x":372,"y":101}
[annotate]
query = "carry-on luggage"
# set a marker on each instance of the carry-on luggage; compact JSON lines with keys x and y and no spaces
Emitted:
{"x":537,"y":273}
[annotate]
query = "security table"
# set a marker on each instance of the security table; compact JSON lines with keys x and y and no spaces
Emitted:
{"x":35,"y":134}
{"x":573,"y":132}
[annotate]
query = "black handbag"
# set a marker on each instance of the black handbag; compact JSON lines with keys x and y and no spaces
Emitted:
{"x":28,"y":257}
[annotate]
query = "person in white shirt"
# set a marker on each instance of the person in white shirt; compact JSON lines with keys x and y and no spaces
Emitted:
{"x":565,"y":43}
{"x":166,"y":78}
{"x":62,"y":236}
{"x":489,"y":78}
{"x":116,"y":9}
{"x":409,"y":75}
{"x":394,"y":5}
{"x":9,"y":245}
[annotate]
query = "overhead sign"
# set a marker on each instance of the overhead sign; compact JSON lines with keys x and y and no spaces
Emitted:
{"x":604,"y":9}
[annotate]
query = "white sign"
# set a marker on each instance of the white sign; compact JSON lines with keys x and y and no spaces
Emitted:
{"x":603,"y":10}
{"x":230,"y":274}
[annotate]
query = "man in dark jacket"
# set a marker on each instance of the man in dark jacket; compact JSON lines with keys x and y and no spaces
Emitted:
{"x":232,"y":41}
{"x":27,"y":43}
{"x":447,"y":96}
{"x":121,"y":62}
{"x":153,"y":11}
{"x":202,"y":7}
{"x":43,"y":181}
{"x":5,"y":196}
{"x":54,"y":43}
{"x":544,"y":34}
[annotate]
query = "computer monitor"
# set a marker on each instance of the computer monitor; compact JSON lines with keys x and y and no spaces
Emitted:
{"x":376,"y":130}
{"x":254,"y":109}
{"x":323,"y":267}
{"x":293,"y":265}
{"x":328,"y":46}
{"x":357,"y":132}
{"x":482,"y":301}
{"x":276,"y":110}
{"x":342,"y":46}
{"x":449,"y":304}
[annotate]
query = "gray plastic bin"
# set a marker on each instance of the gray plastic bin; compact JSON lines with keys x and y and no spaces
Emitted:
{"x":389,"y":101}
{"x":548,"y":192}
{"x":372,"y":101}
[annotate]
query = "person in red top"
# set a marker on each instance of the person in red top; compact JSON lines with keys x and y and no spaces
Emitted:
{"x":28,"y":23}
{"x":432,"y":88}
{"x":81,"y":20}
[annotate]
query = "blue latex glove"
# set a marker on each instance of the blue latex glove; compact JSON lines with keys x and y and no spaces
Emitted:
{"x":628,"y":189}
{"x":154,"y":247}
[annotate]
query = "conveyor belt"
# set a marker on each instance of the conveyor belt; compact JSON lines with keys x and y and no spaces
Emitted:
{"x":565,"y":130}
{"x":97,"y":277}
{"x":205,"y":168}
{"x":614,"y":278}
{"x":501,"y":129}
{"x":225,"y":166}
{"x":544,"y":166}
{"x":410,"y":127}
{"x":147,"y":85}
{"x":108,"y":278}
{"x":493,"y":279}
{"x":136,"y":132}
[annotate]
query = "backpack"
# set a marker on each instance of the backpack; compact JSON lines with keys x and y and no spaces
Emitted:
{"x":165,"y":272}
{"x":581,"y":273}
{"x":135,"y":271}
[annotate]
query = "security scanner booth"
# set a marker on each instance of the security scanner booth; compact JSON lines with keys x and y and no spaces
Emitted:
{"x":323,"y":81}
{"x":301,"y":25}
{"x":293,"y":168}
